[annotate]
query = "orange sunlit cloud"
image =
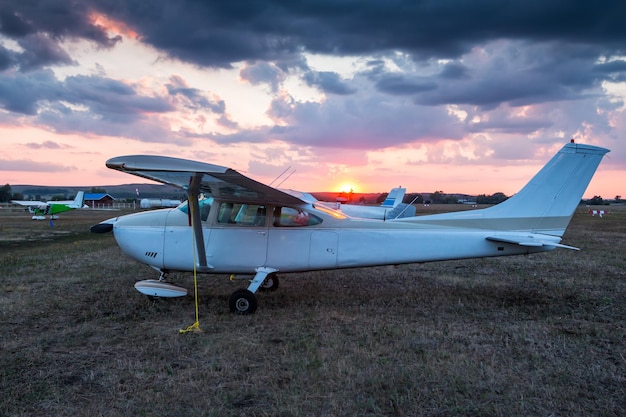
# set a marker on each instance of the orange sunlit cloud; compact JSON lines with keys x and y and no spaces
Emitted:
{"x":112,"y":26}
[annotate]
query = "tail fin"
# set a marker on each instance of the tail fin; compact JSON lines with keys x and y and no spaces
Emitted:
{"x":78,"y":201}
{"x":546,"y":204}
{"x":548,"y":201}
{"x":394,"y":197}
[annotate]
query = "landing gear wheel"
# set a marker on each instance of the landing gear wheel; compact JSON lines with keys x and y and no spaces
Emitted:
{"x":242,"y":301}
{"x":270,"y":283}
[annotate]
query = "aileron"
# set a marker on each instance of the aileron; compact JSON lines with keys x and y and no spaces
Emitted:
{"x":529,"y":241}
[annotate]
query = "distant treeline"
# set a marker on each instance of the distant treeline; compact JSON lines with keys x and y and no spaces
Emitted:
{"x":129,"y":192}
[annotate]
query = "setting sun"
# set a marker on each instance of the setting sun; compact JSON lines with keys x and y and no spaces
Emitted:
{"x":347,"y":188}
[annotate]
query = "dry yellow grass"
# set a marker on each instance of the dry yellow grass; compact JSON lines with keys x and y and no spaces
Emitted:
{"x":536,"y":335}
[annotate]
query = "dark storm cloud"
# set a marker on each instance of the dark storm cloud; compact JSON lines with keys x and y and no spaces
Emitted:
{"x":403,"y":85}
{"x":85,"y":104}
{"x":39,"y":27}
{"x":111,"y":99}
{"x":519,"y":74}
{"x":263,"y":72}
{"x":39,"y":51}
{"x":219,"y":33}
{"x":328,"y":82}
{"x":7,"y":58}
{"x":216,"y":33}
{"x":484,"y":53}
{"x":21,"y":94}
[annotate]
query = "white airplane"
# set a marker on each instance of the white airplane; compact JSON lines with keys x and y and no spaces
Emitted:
{"x":234,"y":224}
{"x":40,"y":209}
{"x":391,"y":208}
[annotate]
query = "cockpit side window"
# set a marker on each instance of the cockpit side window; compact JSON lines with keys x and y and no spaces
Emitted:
{"x":205,"y":207}
{"x":290,"y":217}
{"x":242,"y":214}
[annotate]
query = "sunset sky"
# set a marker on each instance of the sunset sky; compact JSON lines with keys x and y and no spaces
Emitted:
{"x":455,"y":96}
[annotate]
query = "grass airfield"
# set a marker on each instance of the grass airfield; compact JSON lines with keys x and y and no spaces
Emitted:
{"x":533,"y":335}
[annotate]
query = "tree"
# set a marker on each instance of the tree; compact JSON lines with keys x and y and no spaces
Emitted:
{"x":436,"y":197}
{"x":491,"y":199}
{"x":412,"y":198}
{"x":596,"y":201}
{"x":5,"y":193}
{"x":98,"y":190}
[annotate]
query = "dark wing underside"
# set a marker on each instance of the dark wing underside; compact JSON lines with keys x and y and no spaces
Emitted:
{"x":212,"y":180}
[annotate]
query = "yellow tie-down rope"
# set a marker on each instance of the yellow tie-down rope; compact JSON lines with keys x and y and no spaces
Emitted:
{"x":196,"y":326}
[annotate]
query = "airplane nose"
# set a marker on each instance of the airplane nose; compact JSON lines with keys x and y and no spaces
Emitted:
{"x":101,"y":228}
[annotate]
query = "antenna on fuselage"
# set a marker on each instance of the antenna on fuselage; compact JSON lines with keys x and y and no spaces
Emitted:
{"x":281,"y":174}
{"x":286,"y":178}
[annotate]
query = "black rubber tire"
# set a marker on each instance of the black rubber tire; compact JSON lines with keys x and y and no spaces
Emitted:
{"x":242,"y":302}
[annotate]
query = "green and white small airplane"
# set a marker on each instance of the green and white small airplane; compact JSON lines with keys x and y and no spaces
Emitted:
{"x":40,"y":209}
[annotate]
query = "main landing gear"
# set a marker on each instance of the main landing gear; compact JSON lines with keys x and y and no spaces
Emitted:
{"x":243,"y":301}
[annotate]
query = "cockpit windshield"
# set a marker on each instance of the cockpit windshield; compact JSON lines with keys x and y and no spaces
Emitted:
{"x":203,"y":202}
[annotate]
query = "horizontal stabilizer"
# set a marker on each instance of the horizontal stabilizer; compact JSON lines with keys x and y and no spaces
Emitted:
{"x":526,"y":240}
{"x":401,"y":210}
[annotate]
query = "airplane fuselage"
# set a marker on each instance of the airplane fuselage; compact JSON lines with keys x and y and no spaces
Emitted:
{"x":164,"y":240}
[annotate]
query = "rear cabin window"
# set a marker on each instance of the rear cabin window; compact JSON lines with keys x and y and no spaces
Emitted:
{"x":242,"y":214}
{"x":290,"y":217}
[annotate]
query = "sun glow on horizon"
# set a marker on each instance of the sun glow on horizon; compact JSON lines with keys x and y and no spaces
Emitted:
{"x":347,"y":187}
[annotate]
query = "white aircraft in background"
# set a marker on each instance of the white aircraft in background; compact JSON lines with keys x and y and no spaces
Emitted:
{"x":391,"y":208}
{"x":40,"y":209}
{"x":233,"y":224}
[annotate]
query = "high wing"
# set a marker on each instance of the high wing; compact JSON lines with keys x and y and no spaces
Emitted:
{"x":212,"y":180}
{"x":29,"y":203}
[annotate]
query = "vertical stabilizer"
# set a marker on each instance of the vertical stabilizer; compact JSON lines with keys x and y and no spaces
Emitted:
{"x":545,"y":205}
{"x":78,"y":201}
{"x":553,"y":194}
{"x":395,"y":197}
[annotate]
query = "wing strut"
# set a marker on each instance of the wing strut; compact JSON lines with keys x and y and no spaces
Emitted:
{"x":193,"y":194}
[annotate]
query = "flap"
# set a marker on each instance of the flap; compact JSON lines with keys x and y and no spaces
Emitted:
{"x":528,"y":240}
